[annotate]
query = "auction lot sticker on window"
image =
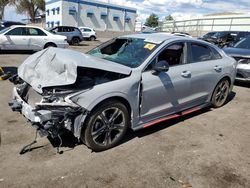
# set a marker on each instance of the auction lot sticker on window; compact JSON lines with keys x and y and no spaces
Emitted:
{"x":149,"y":46}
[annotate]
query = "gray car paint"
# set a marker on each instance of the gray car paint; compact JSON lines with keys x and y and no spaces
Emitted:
{"x":183,"y":94}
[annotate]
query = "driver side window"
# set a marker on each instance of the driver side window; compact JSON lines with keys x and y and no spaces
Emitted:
{"x":173,"y":54}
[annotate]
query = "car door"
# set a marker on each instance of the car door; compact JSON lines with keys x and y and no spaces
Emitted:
{"x":36,"y":38}
{"x":15,"y":39}
{"x":206,"y":68}
{"x":166,"y":92}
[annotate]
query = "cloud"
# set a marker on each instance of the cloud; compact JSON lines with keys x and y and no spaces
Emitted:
{"x":179,"y":9}
{"x":183,"y":9}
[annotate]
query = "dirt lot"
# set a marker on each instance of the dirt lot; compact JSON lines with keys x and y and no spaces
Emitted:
{"x":206,"y":149}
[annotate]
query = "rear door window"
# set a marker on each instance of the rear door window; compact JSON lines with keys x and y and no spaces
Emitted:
{"x":35,"y":32}
{"x":200,"y":53}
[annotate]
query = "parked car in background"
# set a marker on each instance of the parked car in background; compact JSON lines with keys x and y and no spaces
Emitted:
{"x":241,"y":53}
{"x":227,"y":38}
{"x":132,"y":81}
{"x":4,"y":24}
{"x":73,"y":34}
{"x":88,"y":33}
{"x":207,"y":36}
{"x":29,"y":38}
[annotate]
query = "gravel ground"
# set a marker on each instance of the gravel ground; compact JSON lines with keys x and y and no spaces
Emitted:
{"x":206,"y":149}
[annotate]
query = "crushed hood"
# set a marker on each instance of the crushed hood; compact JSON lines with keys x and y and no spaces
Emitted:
{"x":58,"y":67}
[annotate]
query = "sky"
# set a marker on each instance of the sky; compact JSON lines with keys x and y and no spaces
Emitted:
{"x":179,"y":9}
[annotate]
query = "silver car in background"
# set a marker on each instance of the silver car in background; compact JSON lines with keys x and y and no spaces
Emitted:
{"x":133,"y":81}
{"x":241,"y":53}
{"x":29,"y":38}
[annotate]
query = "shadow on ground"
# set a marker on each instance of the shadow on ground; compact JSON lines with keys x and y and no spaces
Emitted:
{"x":69,"y":141}
{"x":17,"y":52}
{"x":242,"y":84}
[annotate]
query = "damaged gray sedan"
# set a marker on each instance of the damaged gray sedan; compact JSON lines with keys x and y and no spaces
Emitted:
{"x":133,"y":81}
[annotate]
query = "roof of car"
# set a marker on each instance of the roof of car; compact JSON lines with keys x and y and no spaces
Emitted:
{"x":154,"y":37}
{"x":28,"y":26}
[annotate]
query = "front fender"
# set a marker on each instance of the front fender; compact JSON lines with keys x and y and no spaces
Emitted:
{"x":125,"y":88}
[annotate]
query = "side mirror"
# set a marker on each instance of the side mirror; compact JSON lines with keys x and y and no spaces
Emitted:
{"x":161,"y":66}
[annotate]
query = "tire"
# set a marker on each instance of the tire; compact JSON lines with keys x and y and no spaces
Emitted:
{"x":103,"y":132}
{"x":92,"y":38}
{"x":75,"y":41}
{"x":49,"y":45}
{"x":220,"y":93}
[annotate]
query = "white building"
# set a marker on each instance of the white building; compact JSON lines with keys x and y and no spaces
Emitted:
{"x":98,"y":15}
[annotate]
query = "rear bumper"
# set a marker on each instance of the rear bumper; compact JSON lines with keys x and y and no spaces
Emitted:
{"x":63,"y":45}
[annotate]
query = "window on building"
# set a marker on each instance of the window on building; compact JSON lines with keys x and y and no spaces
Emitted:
{"x":104,"y":15}
{"x":52,"y":24}
{"x":116,"y":17}
{"x":127,"y":19}
{"x":90,"y":13}
{"x":53,"y":11}
{"x":58,"y":10}
{"x":47,"y":11}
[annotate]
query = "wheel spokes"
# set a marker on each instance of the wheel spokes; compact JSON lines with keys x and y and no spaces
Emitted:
{"x":99,"y":132}
{"x":111,"y":125}
{"x":107,"y":139}
{"x":115,"y":115}
{"x":221,"y":94}
{"x":118,"y":127}
{"x":103,"y":118}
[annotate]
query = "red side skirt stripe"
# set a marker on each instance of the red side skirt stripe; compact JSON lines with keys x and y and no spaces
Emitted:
{"x":172,"y":117}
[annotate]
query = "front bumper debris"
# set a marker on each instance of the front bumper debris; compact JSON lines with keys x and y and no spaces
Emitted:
{"x":48,"y":122}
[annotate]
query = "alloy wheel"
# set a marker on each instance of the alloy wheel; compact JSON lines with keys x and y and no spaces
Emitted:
{"x":108,"y":126}
{"x":221,"y":93}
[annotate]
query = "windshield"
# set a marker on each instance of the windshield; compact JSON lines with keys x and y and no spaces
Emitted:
{"x":130,"y":52}
{"x":219,"y":34}
{"x":208,"y":35}
{"x":50,"y":31}
{"x":3,"y":30}
{"x":244,"y":43}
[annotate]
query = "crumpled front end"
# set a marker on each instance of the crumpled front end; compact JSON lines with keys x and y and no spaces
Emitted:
{"x":49,"y":114}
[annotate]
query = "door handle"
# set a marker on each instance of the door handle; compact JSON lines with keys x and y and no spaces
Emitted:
{"x":186,"y":74}
{"x":217,"y":68}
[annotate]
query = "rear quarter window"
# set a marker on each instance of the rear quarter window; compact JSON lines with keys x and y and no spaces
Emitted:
{"x":200,"y":53}
{"x":216,"y":54}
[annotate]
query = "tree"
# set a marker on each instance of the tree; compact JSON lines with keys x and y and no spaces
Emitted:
{"x":3,"y":4}
{"x":31,"y":7}
{"x":169,"y":17}
{"x":152,"y":20}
